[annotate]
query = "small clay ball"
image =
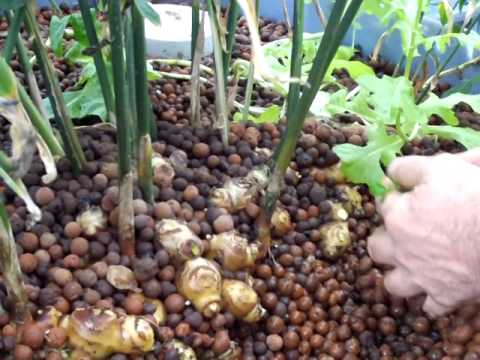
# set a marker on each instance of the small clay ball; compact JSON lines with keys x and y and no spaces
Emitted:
{"x":56,"y":337}
{"x":162,"y":210}
{"x":33,"y":336}
{"x":274,"y":342}
{"x":28,"y":263}
{"x":72,"y":230}
{"x":175,"y":303}
{"x":223,"y":223}
{"x":221,"y":343}
{"x":201,"y":150}
{"x":133,"y":304}
{"x":23,"y":352}
{"x":79,"y":246}
{"x":44,"y":196}
{"x":61,"y":276}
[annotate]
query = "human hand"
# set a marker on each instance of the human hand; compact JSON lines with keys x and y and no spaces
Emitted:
{"x":432,"y":232}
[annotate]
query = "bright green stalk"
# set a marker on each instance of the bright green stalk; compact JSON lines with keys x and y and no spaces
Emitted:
{"x":296,"y":57}
{"x":195,"y":25}
{"x":130,"y":84}
{"x":5,"y":162}
{"x":126,"y":229}
{"x":413,"y":40}
{"x":102,"y":72}
{"x":40,"y":123}
{"x":339,"y":21}
{"x":221,"y":99}
{"x":144,"y":107}
{"x":250,"y":79}
{"x":233,"y":12}
{"x":31,"y":80}
{"x":67,"y":130}
{"x":13,"y":32}
{"x":119,"y":81}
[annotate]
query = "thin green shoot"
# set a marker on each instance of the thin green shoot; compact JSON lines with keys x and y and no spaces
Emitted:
{"x":340,"y":19}
{"x":97,"y":55}
{"x":297,"y":56}
{"x":143,"y":106}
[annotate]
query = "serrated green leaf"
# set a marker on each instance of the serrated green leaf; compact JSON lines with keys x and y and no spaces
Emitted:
{"x":11,"y":4}
{"x":467,"y":137}
{"x":147,"y":11}
{"x":355,"y":69}
{"x":437,"y":106}
{"x":362,"y":165}
{"x":57,"y":30}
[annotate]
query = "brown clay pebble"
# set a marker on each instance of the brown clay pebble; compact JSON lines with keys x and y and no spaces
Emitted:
{"x":222,"y":342}
{"x":274,"y":342}
{"x":201,"y":150}
{"x":44,"y":196}
{"x":175,"y":303}
{"x":133,"y":304}
{"x":61,"y":276}
{"x":163,"y":210}
{"x":56,"y":337}
{"x":72,"y":230}
{"x":223,"y":223}
{"x":23,"y":352}
{"x":28,"y":263}
{"x":33,"y":336}
{"x":79,"y":246}
{"x":29,"y":241}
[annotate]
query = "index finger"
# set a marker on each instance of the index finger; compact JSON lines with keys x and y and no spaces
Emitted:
{"x":408,"y":171}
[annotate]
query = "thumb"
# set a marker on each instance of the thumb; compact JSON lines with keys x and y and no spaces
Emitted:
{"x":434,"y":308}
{"x":471,"y":156}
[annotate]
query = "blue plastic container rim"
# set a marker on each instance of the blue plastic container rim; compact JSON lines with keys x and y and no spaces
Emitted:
{"x":367,"y":34}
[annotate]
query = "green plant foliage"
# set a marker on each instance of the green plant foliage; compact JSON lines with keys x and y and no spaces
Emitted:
{"x":400,"y":15}
{"x":57,"y":30}
{"x":387,"y":106}
{"x":278,"y":54}
{"x":147,"y":11}
{"x":11,"y":4}
{"x":270,"y":114}
{"x":77,"y":51}
{"x":8,"y":84}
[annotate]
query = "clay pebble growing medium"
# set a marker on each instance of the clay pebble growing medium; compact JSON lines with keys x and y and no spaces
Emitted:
{"x":316,"y":308}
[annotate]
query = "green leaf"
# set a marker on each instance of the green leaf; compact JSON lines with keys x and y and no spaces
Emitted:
{"x":270,"y":115}
{"x":147,"y":11}
{"x":471,"y":41}
{"x":8,"y":84}
{"x":362,"y":165}
{"x":11,"y":4}
{"x":443,"y":106}
{"x":467,"y":137}
{"x":57,"y":30}
{"x":355,"y":69}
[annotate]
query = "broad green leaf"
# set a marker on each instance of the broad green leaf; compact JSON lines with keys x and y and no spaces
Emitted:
{"x":362,"y":165}
{"x":147,"y":11}
{"x":8,"y":82}
{"x":57,"y":30}
{"x":11,"y":4}
{"x":270,"y":115}
{"x":85,"y":102}
{"x":441,"y":107}
{"x":467,"y":137}
{"x":355,"y":69}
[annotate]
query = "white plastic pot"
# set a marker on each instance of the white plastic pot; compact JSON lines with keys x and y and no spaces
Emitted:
{"x":172,"y":38}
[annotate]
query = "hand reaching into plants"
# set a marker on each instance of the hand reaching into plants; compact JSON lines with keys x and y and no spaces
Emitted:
{"x":432,"y":231}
